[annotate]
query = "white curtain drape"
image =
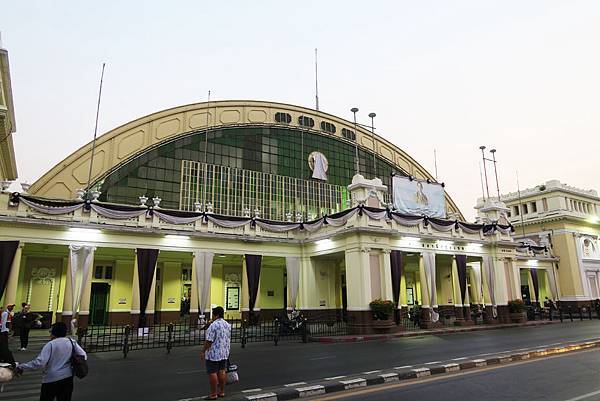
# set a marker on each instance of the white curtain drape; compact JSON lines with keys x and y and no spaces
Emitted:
{"x":488,"y":270}
{"x":277,"y":228}
{"x":340,"y":221}
{"x":406,"y":222}
{"x":429,"y":268}
{"x":552,"y":283}
{"x":292,"y":265}
{"x":441,"y":227}
{"x":228,"y":223}
{"x":379,"y":215}
{"x":203,"y":261}
{"x":176,"y":219}
{"x":476,"y":283}
{"x":81,"y":258}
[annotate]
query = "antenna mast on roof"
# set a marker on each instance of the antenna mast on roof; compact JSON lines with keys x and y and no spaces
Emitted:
{"x":87,"y":188}
{"x":316,"y":82}
{"x":435,"y":163}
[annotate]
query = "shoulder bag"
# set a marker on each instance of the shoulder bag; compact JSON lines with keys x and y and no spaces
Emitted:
{"x":78,"y":362}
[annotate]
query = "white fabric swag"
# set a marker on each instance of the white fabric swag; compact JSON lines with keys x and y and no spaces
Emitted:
{"x":340,"y":221}
{"x":429,"y":269}
{"x":488,"y":270}
{"x":228,"y":223}
{"x":203,"y":261}
{"x":552,"y":283}
{"x":81,"y":258}
{"x":277,"y":228}
{"x":379,"y":215}
{"x":53,"y":210}
{"x":116,"y":214}
{"x":176,"y":219}
{"x":440,"y":227}
{"x":406,"y":222}
{"x":292,"y":265}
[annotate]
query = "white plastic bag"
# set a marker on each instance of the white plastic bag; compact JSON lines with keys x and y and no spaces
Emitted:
{"x":232,"y":374}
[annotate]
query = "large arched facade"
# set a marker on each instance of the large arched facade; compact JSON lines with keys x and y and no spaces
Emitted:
{"x":250,"y":143}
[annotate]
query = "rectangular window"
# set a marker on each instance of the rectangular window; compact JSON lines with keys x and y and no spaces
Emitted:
{"x":98,"y":272}
{"x":525,"y":209}
{"x":534,"y":207}
{"x":545,"y":204}
{"x":516,"y":209}
{"x":108,"y":273}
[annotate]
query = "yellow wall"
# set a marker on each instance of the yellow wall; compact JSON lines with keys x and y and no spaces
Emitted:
{"x":170,"y":297}
{"x":121,"y":286}
{"x":271,"y":280}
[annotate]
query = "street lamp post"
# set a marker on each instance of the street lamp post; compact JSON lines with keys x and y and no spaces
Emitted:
{"x":372,"y":115}
{"x":354,"y":110}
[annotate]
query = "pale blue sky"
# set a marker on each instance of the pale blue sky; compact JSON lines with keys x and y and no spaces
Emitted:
{"x":523,"y":76}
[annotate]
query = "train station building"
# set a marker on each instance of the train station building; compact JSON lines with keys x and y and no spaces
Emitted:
{"x":260,"y":207}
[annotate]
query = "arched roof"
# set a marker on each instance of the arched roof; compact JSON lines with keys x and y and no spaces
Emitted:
{"x":122,"y":144}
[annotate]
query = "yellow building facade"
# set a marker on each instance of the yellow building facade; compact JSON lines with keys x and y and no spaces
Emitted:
{"x":259,"y":207}
{"x":565,"y":220}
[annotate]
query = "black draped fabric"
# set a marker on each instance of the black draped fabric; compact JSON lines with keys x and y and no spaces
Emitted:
{"x":8,"y":249}
{"x":253,"y":263}
{"x":536,"y":284}
{"x":146,"y":259}
{"x":461,"y":264}
{"x":396,"y":261}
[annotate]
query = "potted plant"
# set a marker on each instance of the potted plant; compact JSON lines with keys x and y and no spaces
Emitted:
{"x":382,"y":314}
{"x":516,"y":308}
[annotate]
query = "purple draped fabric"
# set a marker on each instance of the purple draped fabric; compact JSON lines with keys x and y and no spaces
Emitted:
{"x":253,"y":263}
{"x":146,"y":259}
{"x":396,"y":261}
{"x":461,"y":264}
{"x":8,"y":249}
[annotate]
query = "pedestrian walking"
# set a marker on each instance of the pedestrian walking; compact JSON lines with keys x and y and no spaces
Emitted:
{"x":55,"y":359}
{"x":416,"y":314}
{"x":5,"y":355}
{"x":25,"y":321}
{"x":216,"y":353}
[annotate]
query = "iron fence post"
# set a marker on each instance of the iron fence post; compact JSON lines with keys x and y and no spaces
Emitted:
{"x":169,"y":337}
{"x":127,"y":333}
{"x":243,"y":334}
{"x":570,"y":313}
{"x":581,"y":313}
{"x":304,"y":330}
{"x":590,"y":312}
{"x":560,"y":314}
{"x":277,"y":331}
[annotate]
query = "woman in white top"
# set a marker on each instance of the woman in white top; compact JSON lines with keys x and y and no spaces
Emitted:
{"x":55,"y":359}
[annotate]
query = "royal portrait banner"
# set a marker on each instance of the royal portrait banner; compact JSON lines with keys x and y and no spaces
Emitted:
{"x":418,"y":197}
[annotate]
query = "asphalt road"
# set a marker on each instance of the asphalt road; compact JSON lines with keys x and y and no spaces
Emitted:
{"x":154,"y":375}
{"x":566,"y":377}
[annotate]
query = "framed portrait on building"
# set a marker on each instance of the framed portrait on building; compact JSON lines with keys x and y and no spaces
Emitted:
{"x":233,"y":298}
{"x":410,"y":296}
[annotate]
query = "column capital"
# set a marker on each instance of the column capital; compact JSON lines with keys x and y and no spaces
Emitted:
{"x":386,"y":251}
{"x":365,"y":250}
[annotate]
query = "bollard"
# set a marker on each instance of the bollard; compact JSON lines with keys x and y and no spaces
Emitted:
{"x":304,"y":331}
{"x":560,"y":314}
{"x":243,"y":333}
{"x":127,"y":333}
{"x":570,"y":313}
{"x":169,"y":338}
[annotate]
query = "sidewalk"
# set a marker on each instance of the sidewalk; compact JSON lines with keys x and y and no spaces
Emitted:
{"x":444,"y":330}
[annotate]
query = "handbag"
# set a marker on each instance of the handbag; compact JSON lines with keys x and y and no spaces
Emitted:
{"x":232,"y":374}
{"x":78,"y":362}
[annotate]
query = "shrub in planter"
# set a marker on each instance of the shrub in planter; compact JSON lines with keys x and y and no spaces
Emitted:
{"x":516,"y":306}
{"x":382,"y":310}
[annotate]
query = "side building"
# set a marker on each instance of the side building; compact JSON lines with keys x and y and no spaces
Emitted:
{"x":566,"y":221}
{"x":8,"y":163}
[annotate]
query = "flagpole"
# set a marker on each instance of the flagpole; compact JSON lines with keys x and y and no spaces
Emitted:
{"x":520,"y":207}
{"x":87,"y":188}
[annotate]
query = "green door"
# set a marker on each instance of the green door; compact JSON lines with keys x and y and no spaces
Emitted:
{"x":99,"y":303}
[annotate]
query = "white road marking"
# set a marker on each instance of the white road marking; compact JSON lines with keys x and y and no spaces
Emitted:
{"x":371,"y":372}
{"x":252,"y":390}
{"x":334,"y":378}
{"x":432,"y":363}
{"x":584,"y":396}
{"x":459,"y":359}
{"x":295,"y":384}
{"x":403,"y":367}
{"x":321,"y":357}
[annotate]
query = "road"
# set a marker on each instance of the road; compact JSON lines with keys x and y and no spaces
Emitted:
{"x":566,"y":377}
{"x":154,"y":375}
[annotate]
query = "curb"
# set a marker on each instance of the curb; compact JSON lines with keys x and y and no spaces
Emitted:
{"x":375,"y":337}
{"x":341,"y":383}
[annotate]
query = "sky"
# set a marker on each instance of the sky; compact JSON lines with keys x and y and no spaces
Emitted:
{"x":519,"y":76}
